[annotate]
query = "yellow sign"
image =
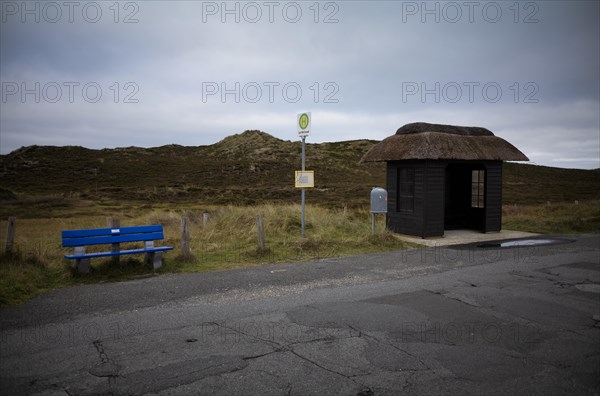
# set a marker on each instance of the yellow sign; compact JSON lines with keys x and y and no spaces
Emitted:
{"x":305,"y":179}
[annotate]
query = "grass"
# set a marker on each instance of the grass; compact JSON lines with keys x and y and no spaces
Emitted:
{"x":526,"y":184}
{"x":244,"y":169}
{"x":49,"y":189}
{"x":23,"y":277}
{"x":553,"y":218}
{"x":229,"y":240}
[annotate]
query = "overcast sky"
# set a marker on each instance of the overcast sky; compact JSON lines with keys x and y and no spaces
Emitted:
{"x":106,"y":74}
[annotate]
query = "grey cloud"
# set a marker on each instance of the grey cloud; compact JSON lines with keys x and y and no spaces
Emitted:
{"x":369,"y":54}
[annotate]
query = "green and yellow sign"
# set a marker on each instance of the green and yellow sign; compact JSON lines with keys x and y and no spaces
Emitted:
{"x":303,"y":124}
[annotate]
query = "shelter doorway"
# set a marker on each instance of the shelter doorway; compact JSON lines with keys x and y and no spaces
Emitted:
{"x":464,"y":197}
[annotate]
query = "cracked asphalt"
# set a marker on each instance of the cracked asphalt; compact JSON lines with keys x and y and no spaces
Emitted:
{"x":456,"y":320}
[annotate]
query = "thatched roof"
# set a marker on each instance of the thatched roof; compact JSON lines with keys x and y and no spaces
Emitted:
{"x":435,"y":141}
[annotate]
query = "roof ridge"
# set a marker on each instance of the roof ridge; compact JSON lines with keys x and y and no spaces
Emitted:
{"x":422,"y":127}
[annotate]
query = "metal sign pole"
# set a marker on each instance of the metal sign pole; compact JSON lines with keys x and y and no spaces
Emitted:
{"x":304,"y":181}
{"x":303,"y":189}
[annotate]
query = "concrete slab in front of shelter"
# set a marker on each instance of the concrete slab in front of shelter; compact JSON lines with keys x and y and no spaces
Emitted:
{"x":460,"y":237}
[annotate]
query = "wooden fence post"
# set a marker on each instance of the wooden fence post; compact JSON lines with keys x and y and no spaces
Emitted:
{"x":114,"y":223}
{"x":185,"y":237}
{"x":372,"y":223}
{"x":10,"y":234}
{"x":261,"y":232}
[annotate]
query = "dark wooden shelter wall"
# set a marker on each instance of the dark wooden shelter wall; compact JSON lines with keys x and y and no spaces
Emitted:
{"x":493,"y":211}
{"x":391,"y":187}
{"x":428,"y":216}
{"x":433,"y":217}
{"x":401,"y":222}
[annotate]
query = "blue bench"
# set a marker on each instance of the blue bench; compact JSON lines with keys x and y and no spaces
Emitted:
{"x":79,"y":239}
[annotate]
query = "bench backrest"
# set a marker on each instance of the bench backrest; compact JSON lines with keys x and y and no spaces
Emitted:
{"x":101,"y":236}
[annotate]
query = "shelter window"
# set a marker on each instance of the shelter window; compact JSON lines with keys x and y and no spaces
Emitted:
{"x":477,"y":188}
{"x":406,"y":190}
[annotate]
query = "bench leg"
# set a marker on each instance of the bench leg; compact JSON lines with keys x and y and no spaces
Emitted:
{"x":155,"y":259}
{"x":82,"y":265}
{"x":157,"y":262}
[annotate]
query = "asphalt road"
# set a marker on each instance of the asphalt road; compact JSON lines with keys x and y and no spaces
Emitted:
{"x":460,"y":320}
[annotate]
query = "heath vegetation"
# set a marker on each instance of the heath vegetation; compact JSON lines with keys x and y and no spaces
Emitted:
{"x":49,"y":189}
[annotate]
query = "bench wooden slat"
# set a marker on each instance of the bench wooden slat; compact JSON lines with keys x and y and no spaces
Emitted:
{"x":83,"y":233}
{"x":101,"y":240}
{"x":108,"y":254}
